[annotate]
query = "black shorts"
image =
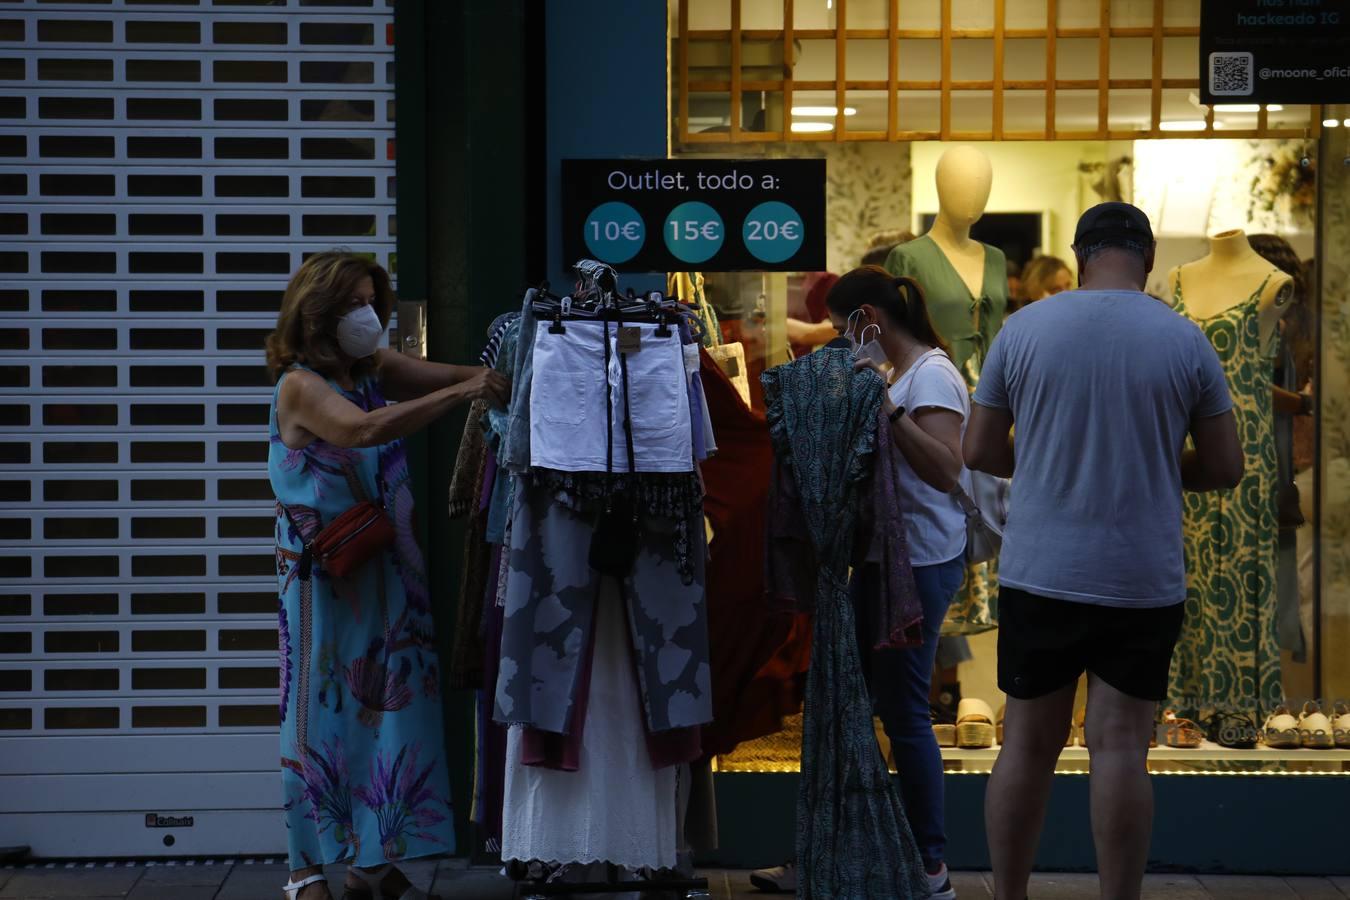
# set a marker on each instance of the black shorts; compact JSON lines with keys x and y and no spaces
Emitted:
{"x":1045,"y":644}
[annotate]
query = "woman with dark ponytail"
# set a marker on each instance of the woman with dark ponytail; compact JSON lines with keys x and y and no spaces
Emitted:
{"x":928,"y":405}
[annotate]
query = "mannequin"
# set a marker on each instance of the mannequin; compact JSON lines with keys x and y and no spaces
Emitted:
{"x":964,"y":281}
{"x":1227,"y":276}
{"x":964,"y":180}
{"x":965,"y":284}
{"x":1228,"y":655}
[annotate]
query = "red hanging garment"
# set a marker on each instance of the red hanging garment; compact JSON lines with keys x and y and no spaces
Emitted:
{"x":759,"y":653}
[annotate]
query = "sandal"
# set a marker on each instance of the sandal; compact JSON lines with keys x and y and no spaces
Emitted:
{"x":1281,"y":731}
{"x":1181,"y":733}
{"x":293,"y":888}
{"x":1314,"y":728}
{"x":373,"y":886}
{"x":1340,"y":724}
{"x":974,"y":724}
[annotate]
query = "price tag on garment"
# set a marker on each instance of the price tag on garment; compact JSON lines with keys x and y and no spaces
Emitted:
{"x":630,"y":339}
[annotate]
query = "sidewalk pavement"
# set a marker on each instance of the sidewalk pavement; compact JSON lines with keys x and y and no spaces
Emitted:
{"x":453,"y":880}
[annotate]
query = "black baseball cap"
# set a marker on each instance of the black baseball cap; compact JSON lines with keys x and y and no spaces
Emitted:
{"x":1113,"y":220}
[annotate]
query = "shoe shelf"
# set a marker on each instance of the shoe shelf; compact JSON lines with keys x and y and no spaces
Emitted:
{"x":976,"y":760}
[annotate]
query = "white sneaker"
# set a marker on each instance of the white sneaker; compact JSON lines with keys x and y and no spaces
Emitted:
{"x":777,"y":880}
{"x":940,"y":886}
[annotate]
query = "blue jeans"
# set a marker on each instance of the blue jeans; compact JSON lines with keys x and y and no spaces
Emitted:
{"x":900,"y":682}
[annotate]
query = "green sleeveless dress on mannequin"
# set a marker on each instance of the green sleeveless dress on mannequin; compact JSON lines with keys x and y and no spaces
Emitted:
{"x":1228,"y":657}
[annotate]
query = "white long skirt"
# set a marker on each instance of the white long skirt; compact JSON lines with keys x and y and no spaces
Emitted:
{"x":616,"y":808}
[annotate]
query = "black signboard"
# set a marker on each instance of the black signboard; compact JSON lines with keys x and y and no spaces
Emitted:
{"x":1274,"y":51}
{"x":706,"y":215}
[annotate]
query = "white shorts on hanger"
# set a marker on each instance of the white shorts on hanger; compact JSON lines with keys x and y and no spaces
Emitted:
{"x":567,"y":400}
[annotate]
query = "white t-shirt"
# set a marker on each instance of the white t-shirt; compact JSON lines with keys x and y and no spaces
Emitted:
{"x":935,"y":524}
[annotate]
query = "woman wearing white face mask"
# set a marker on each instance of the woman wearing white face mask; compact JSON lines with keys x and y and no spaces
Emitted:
{"x":364,"y":777}
{"x":928,"y":405}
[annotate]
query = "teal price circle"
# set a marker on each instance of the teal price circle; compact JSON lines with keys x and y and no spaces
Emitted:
{"x":694,"y":232}
{"x":773,"y":232}
{"x":614,"y":232}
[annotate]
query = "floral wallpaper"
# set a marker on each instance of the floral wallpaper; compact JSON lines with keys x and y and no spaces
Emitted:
{"x":867,"y":190}
{"x":1334,"y":398}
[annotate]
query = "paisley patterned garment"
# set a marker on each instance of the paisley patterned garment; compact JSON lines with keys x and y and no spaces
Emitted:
{"x":853,"y":840}
{"x":1228,"y":656}
{"x":362,"y":761}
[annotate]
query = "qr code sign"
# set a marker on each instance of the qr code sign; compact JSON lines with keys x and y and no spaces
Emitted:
{"x":1231,"y":75}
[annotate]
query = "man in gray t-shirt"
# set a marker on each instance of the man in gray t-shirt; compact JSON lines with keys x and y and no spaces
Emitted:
{"x":1103,"y":384}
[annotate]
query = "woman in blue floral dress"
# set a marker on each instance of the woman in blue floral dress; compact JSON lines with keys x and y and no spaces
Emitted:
{"x":363,"y":768}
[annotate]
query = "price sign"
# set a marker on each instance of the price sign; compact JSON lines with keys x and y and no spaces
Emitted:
{"x":615,"y":232}
{"x":718,"y":215}
{"x":694,"y":232}
{"x":773,"y":232}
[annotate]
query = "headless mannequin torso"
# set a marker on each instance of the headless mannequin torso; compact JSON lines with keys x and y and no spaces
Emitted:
{"x":1228,"y":276}
{"x":964,"y":179}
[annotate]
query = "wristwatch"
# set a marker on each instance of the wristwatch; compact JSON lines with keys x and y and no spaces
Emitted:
{"x":1307,"y":408}
{"x":896,"y":414}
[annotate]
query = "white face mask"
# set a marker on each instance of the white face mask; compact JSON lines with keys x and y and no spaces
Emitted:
{"x":359,"y":332}
{"x":870,"y":349}
{"x":851,"y":328}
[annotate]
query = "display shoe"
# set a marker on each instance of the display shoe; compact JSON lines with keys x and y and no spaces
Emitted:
{"x":1340,"y":724}
{"x":1314,"y":728}
{"x":1281,"y":731}
{"x":776,"y":880}
{"x":945,"y":735}
{"x":1233,"y":731}
{"x":974,"y":724}
{"x":1180,"y":733}
{"x":945,"y":705}
{"x":1078,"y":728}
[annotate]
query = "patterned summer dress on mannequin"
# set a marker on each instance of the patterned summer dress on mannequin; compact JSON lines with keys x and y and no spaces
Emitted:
{"x":363,"y":772}
{"x":1228,"y":657}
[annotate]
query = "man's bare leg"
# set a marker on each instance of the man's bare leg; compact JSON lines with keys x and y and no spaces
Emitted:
{"x":1118,"y":731}
{"x":1034,"y":732}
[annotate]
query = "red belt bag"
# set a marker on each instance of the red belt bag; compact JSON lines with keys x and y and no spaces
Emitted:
{"x":352,"y":539}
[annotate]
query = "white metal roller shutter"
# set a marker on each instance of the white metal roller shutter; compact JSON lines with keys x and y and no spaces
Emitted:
{"x":163,"y":168}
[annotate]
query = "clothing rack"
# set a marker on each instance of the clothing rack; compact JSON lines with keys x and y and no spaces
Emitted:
{"x":651,"y":308}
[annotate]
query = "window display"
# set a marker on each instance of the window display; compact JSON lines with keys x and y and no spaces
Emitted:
{"x":1255,"y":648}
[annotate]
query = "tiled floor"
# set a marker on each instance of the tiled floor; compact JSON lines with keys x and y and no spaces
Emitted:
{"x":249,"y":880}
